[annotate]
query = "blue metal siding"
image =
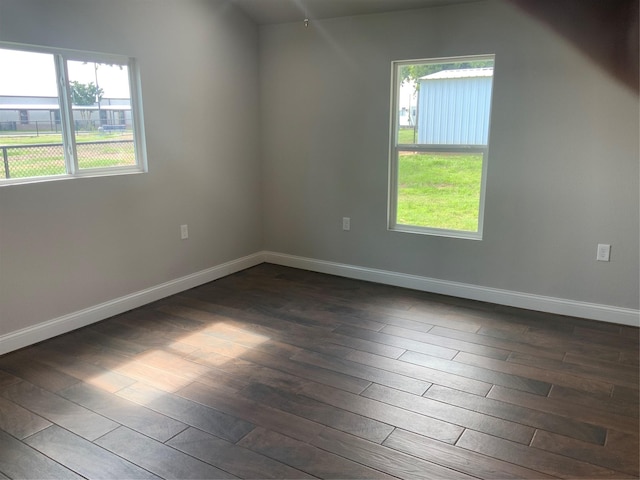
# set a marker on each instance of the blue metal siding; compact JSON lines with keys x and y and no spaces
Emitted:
{"x":454,"y":111}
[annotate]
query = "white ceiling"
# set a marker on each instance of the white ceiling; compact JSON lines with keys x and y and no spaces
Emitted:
{"x":282,"y":11}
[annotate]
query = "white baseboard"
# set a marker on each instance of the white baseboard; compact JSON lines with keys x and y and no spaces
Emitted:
{"x":605,"y":313}
{"x":66,"y":323}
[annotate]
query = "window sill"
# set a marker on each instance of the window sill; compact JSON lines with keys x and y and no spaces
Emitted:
{"x":437,"y":232}
{"x":54,"y":178}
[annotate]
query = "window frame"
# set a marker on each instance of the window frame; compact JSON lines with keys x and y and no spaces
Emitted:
{"x":395,"y":148}
{"x":60,"y":57}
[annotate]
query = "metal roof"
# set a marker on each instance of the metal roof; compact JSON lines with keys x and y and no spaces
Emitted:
{"x":460,"y":73}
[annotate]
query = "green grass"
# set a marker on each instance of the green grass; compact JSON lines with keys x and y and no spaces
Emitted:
{"x":434,"y":190}
{"x":49,"y":160}
{"x":439,"y":190}
{"x":57,"y":138}
{"x":406,"y":136}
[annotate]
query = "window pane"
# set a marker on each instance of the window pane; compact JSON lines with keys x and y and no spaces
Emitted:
{"x":439,"y":190}
{"x":445,"y":103}
{"x":101,"y":114}
{"x":30,"y":138}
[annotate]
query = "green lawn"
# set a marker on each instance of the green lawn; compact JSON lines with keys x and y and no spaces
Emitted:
{"x":434,"y":190}
{"x":6,"y":139}
{"x":439,"y":190}
{"x":407,"y":136}
{"x":48,"y":159}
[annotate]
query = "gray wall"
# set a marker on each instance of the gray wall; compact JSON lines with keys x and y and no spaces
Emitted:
{"x":277,"y":133}
{"x":72,"y":244}
{"x":563,"y":162}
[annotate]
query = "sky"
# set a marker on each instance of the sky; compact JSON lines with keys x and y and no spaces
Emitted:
{"x":33,"y":74}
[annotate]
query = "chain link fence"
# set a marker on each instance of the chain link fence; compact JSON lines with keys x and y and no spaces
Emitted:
{"x":40,"y":160}
{"x":44,"y":127}
{"x":106,"y":154}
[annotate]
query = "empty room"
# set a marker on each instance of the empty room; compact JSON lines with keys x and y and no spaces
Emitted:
{"x":319,"y":239}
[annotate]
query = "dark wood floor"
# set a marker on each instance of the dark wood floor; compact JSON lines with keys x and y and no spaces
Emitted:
{"x":280,"y":373}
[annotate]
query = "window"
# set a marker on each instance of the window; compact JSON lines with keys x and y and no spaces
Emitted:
{"x":87,"y":124}
{"x":439,"y":153}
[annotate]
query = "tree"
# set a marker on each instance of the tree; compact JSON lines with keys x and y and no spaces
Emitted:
{"x":85,"y":94}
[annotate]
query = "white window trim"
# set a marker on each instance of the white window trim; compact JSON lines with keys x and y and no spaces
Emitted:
{"x":61,"y":56}
{"x":395,"y":149}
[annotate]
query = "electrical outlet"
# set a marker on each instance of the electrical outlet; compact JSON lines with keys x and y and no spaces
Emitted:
{"x":346,"y":223}
{"x":184,"y":232}
{"x":604,"y":251}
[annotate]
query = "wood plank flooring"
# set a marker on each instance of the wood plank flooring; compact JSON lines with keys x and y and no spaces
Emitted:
{"x":280,"y":373}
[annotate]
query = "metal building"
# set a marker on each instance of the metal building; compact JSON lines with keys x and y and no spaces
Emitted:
{"x":454,"y":107}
